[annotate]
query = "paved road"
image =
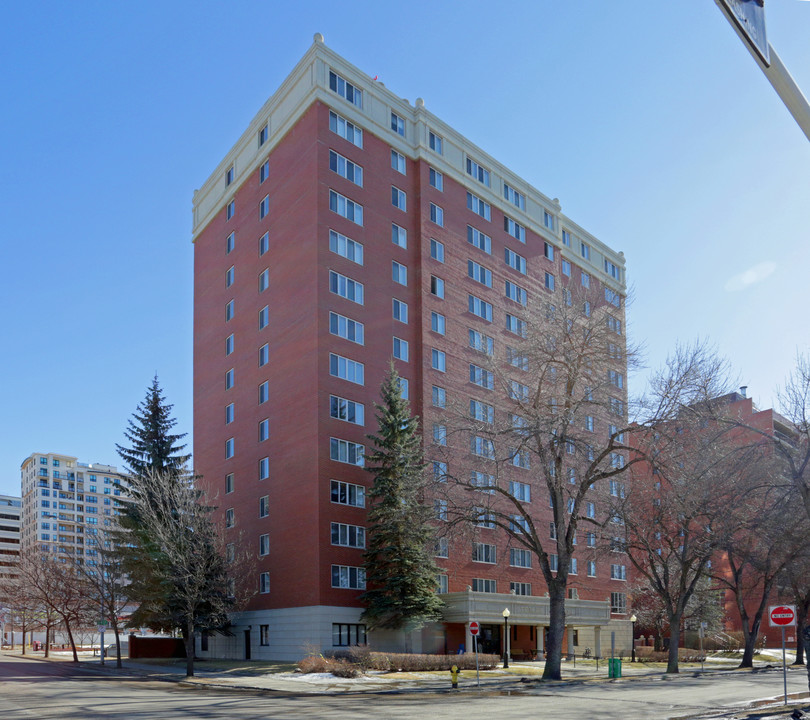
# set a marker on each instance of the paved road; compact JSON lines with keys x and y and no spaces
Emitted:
{"x":31,"y":689}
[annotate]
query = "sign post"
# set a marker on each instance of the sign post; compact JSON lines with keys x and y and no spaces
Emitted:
{"x":783,"y":616}
{"x":475,"y":628}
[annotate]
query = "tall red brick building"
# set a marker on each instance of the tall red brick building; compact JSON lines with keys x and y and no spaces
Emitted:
{"x":346,"y":227}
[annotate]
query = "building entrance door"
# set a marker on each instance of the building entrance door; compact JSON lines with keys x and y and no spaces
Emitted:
{"x":247,"y":644}
{"x":490,"y":639}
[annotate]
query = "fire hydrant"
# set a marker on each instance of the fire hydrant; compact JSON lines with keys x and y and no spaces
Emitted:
{"x":454,"y":676}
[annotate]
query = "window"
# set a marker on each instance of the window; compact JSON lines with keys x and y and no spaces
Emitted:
{"x":229,"y":414}
{"x":264,"y":468}
{"x":264,"y":632}
{"x":613,"y":324}
{"x":514,"y":197}
{"x":436,"y":179}
{"x":553,"y":563}
{"x":229,"y":310}
{"x":520,"y":491}
{"x":548,"y":252}
{"x":229,"y":379}
{"x":263,"y":135}
{"x":399,"y":236}
{"x":264,"y":506}
{"x":585,"y":251}
{"x":346,"y":287}
{"x":566,"y":268}
{"x":345,"y":89}
{"x":229,"y":344}
{"x":439,"y":397}
{"x":229,"y":518}
{"x":439,"y":471}
{"x":264,"y":355}
{"x":345,"y":247}
{"x":548,"y":220}
{"x":478,"y":239}
{"x":585,"y":280}
{"x":346,"y":208}
{"x":440,"y":509}
{"x":442,"y":548}
{"x":230,"y":210}
{"x":344,"y":493}
{"x":591,"y":510}
{"x":482,"y":412}
{"x":228,"y":484}
{"x":346,"y":452}
{"x":518,"y":524}
{"x":264,"y":244}
{"x":549,"y":282}
{"x":485,"y":519}
{"x":398,"y":198}
{"x":264,"y":317}
{"x":438,"y":360}
{"x":484,"y":585}
{"x":347,"y":410}
{"x":439,"y":434}
{"x":618,"y":602}
{"x":586,"y":309}
{"x":516,"y":293}
{"x":480,"y":376}
{"x":264,"y":279}
{"x":483,"y":482}
{"x":616,"y":406}
{"x":615,"y":378}
{"x":484,"y":552}
{"x":520,"y":558}
{"x":398,"y":162}
{"x":479,"y":206}
{"x":612,"y":270}
{"x":264,"y":430}
{"x":399,"y":273}
{"x":401,"y":349}
{"x":519,"y":458}
{"x":479,"y":307}
{"x":397,"y":124}
{"x":518,"y":391}
{"x":353,"y":578}
{"x":618,"y":572}
{"x":482,"y":447}
{"x":479,"y":172}
{"x":589,"y":422}
{"x":436,"y":143}
{"x":348,"y":535}
{"x":613,"y":297}
{"x":516,"y":359}
{"x":437,"y":250}
{"x":229,"y":448}
{"x":515,"y":325}
{"x":229,"y":175}
{"x":479,"y":273}
{"x":344,"y":635}
{"x":438,"y":323}
{"x":264,"y":207}
{"x":591,"y":568}
{"x":437,"y":286}
{"x":515,"y":229}
{"x":345,"y":168}
{"x":400,"y":311}
{"x":229,"y":276}
{"x":346,"y":369}
{"x":264,"y":171}
{"x":481,"y":343}
{"x":346,"y":328}
{"x":264,"y":583}
{"x":513,"y":260}
{"x":345,"y":129}
{"x":436,"y":214}
{"x":230,"y":241}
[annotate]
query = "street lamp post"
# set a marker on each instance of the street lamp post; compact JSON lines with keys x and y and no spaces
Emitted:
{"x":633,"y":619}
{"x":506,"y":615}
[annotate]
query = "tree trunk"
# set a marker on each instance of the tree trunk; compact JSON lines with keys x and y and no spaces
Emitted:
{"x":556,"y":632}
{"x":23,"y":639}
{"x":117,"y":645}
{"x":799,"y":643}
{"x":750,"y":642}
{"x":47,"y":640}
{"x":188,"y":641}
{"x":72,"y":642}
{"x":674,"y":641}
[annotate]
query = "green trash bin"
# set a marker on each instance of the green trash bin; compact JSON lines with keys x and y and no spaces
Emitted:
{"x":614,"y":667}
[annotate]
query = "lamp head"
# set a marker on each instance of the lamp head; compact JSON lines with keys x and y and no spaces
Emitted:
{"x":506,"y":612}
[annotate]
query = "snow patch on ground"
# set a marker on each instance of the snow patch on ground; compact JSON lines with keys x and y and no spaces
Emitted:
{"x":321,"y":678}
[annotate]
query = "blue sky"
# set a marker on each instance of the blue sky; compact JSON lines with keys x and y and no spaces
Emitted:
{"x":649,"y":120}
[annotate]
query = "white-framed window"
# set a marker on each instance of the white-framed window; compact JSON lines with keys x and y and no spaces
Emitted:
{"x":518,"y":524}
{"x":438,"y":360}
{"x":618,"y":603}
{"x":437,"y":286}
{"x":348,"y":535}
{"x":440,"y":509}
{"x":264,"y":429}
{"x":399,"y":273}
{"x":229,"y":413}
{"x":346,"y":208}
{"x":613,"y":297}
{"x":436,"y":179}
{"x":346,"y":328}
{"x":479,"y":206}
{"x":549,"y":283}
{"x":566,"y":238}
{"x":613,"y":324}
{"x":435,"y":142}
{"x":346,"y":576}
{"x":403,"y":388}
{"x":230,"y":209}
{"x":519,"y":458}
{"x":516,"y":293}
{"x":517,"y":359}
{"x":513,"y":260}
{"x":264,"y":544}
{"x":548,"y":220}
{"x":229,"y":310}
{"x":264,"y":207}
{"x":345,"y":247}
{"x":478,"y":172}
{"x":436,"y":250}
{"x":264,"y":355}
{"x":264,"y":171}
{"x":345,"y":129}
{"x":436,"y":214}
{"x":481,"y":377}
{"x":230,"y":242}
{"x":483,"y":482}
{"x":398,"y":198}
{"x":565,"y":268}
{"x":399,"y":235}
{"x":514,"y":228}
{"x":264,"y":468}
{"x":345,"y":287}
{"x":229,"y":276}
{"x":513,"y":196}
{"x":516,"y":325}
{"x":438,"y":397}
{"x":548,"y":251}
{"x":520,"y":491}
{"x":585,"y":250}
{"x":481,"y":411}
{"x":586,"y":309}
{"x":229,"y":379}
{"x":230,"y":448}
{"x":615,"y":378}
{"x":482,"y":447}
{"x":485,"y":519}
{"x":264,"y":317}
{"x":397,"y":124}
{"x":346,"y":369}
{"x":478,"y":239}
{"x":484,"y":553}
{"x":618,"y":572}
{"x":264,"y":279}
{"x":591,"y":568}
{"x":480,"y":342}
{"x":400,"y":310}
{"x":401,"y":349}
{"x":518,"y":391}
{"x":229,"y":483}
{"x":264,"y":392}
{"x":591,"y":510}
{"x":345,"y":89}
{"x":343,"y":493}
{"x":230,"y":519}
{"x":479,"y":273}
{"x":345,"y":168}
{"x":229,"y":344}
{"x":484,"y":585}
{"x":439,"y":434}
{"x":439,"y":471}
{"x":398,"y":162}
{"x":438,"y":323}
{"x":520,"y":588}
{"x":612,"y":270}
{"x":264,"y":244}
{"x":553,"y":563}
{"x":264,"y":506}
{"x":346,"y":410}
{"x":479,"y":307}
{"x":346,"y":452}
{"x":442,"y":548}
{"x":573,"y":568}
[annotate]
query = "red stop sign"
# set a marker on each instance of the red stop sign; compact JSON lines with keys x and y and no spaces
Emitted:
{"x":475,"y":628}
{"x":782,"y":615}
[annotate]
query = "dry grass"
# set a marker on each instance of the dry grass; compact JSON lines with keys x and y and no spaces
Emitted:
{"x":362,"y":660}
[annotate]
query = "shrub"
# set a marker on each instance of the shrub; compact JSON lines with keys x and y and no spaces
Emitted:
{"x":350,"y":662}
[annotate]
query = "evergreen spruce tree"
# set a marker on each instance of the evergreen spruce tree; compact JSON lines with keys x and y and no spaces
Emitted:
{"x":400,"y":570}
